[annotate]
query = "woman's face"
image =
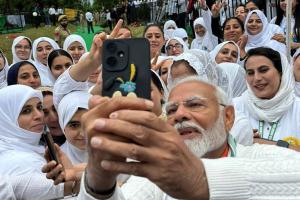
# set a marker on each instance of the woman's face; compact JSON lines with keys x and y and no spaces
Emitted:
{"x":59,"y":65}
{"x":251,"y":6}
{"x":229,"y":53}
{"x":283,"y":4}
{"x":73,"y":131}
{"x":29,"y":76}
{"x":174,"y":48}
{"x":297,"y":69}
{"x":200,"y":30}
{"x":240,"y":12}
{"x":31,"y":117}
{"x":76,"y":50}
{"x":262,"y":77}
{"x":232,"y":30}
{"x":42,"y":51}
{"x":254,"y":25}
{"x":51,"y":117}
{"x":2,"y":62}
{"x":156,"y":97}
{"x":94,"y":76}
{"x":23,"y":49}
{"x":156,"y":39}
{"x":182,"y":70}
{"x":164,"y":70}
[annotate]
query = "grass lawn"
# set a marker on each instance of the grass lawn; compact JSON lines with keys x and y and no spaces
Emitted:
{"x":7,"y":39}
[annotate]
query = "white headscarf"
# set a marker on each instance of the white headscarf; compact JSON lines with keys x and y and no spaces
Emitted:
{"x":185,"y":47}
{"x":13,"y":48}
{"x":236,"y":75}
{"x":181,"y":33}
{"x":74,"y":38}
{"x":3,"y":72}
{"x":12,"y":137}
{"x":297,"y":84}
{"x":206,"y":42}
{"x":262,"y":39}
{"x":44,"y":71}
{"x":213,"y":54}
{"x":169,"y":32}
{"x":67,"y":108}
{"x":271,"y":110}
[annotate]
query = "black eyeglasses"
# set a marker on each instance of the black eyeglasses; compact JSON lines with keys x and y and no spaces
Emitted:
{"x":176,"y":46}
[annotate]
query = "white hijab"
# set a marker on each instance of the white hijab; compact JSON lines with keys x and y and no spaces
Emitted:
{"x":206,"y":42}
{"x":185,"y":47}
{"x":297,"y":84}
{"x":74,"y":38}
{"x":271,"y":110}
{"x":67,"y":108}
{"x":169,"y":32}
{"x":12,"y":137}
{"x":213,"y":54}
{"x":15,"y":42}
{"x":181,"y":33}
{"x":45,"y":73}
{"x":3,"y":72}
{"x":237,"y":78}
{"x":263,"y":39}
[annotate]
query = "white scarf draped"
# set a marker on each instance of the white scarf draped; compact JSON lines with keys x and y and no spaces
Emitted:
{"x":213,"y":54}
{"x":74,"y":38}
{"x":46,"y":76}
{"x":185,"y":47}
{"x":168,"y":33}
{"x":206,"y":42}
{"x":67,"y":108}
{"x":13,"y":49}
{"x":263,"y":39}
{"x":271,"y":110}
{"x":12,"y":137}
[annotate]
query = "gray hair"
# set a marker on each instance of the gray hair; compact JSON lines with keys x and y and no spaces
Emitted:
{"x":221,"y":96}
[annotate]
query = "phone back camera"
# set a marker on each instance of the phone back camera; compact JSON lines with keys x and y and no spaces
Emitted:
{"x":121,"y":54}
{"x":111,"y":47}
{"x":111,"y":61}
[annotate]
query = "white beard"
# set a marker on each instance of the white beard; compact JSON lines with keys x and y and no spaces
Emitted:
{"x":210,"y":140}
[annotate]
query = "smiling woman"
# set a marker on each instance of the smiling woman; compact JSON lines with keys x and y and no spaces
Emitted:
{"x":270,"y":101}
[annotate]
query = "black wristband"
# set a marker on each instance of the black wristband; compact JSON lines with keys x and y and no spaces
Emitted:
{"x":282,"y":143}
{"x":105,"y":194}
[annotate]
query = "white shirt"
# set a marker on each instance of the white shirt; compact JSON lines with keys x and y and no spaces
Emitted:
{"x":89,"y":16}
{"x":258,"y":172}
{"x":52,"y":11}
{"x":297,"y":88}
{"x":288,"y":125}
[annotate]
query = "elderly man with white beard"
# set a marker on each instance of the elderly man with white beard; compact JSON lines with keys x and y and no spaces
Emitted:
{"x":178,"y":159}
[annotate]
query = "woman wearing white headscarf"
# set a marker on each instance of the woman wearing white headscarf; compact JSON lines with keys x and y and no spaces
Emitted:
{"x":227,"y":51}
{"x":270,"y":102}
{"x":175,"y":46}
{"x":169,"y":28}
{"x":203,"y":41}
{"x":76,"y":46}
{"x":236,"y":75}
{"x":21,"y":49}
{"x":260,"y":32}
{"x":69,"y":106}
{"x":21,"y":126}
{"x":296,"y":63}
{"x":181,"y":33}
{"x":41,"y":61}
{"x":3,"y":70}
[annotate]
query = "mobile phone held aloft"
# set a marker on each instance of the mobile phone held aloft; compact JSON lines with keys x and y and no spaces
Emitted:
{"x":126,"y":69}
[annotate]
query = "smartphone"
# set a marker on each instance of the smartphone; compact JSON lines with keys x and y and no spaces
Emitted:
{"x":126,"y":67}
{"x":50,"y":144}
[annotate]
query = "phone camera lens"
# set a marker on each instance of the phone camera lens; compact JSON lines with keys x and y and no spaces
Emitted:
{"x":111,"y":61}
{"x":121,"y":54}
{"x":111,"y":47}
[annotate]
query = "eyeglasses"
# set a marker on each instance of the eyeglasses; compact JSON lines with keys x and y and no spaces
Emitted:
{"x":176,"y":46}
{"x":23,"y":47}
{"x":192,"y":104}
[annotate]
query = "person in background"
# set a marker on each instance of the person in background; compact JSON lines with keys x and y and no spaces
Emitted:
{"x":62,"y":32}
{"x":21,"y":49}
{"x":47,"y":16}
{"x":75,"y":45}
{"x":89,"y":19}
{"x":155,"y":36}
{"x":296,"y":62}
{"x":59,"y":61}
{"x":52,"y":12}
{"x":3,"y":70}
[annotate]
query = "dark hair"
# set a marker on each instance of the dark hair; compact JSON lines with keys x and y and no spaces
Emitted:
{"x":296,"y":14}
{"x":153,"y":25}
{"x":233,"y":18}
{"x":12,"y":74}
{"x":184,"y":62}
{"x":256,"y":2}
{"x":269,"y":53}
{"x":240,"y":5}
{"x":55,"y":53}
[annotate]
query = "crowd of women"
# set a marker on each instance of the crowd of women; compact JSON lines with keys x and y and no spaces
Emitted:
{"x":45,"y":85}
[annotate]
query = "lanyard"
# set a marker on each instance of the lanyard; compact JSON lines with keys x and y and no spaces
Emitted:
{"x":230,"y":151}
{"x":272,"y":131}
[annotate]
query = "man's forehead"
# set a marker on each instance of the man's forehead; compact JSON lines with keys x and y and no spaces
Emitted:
{"x":193,"y":88}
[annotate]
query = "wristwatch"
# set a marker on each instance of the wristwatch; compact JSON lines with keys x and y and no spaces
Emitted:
{"x":282,"y":143}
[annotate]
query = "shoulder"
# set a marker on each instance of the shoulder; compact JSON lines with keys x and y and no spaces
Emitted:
{"x":273,"y":20}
